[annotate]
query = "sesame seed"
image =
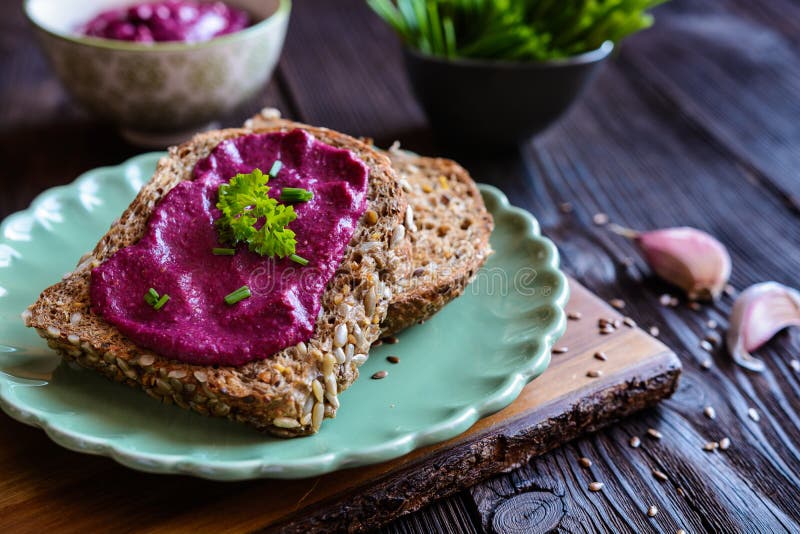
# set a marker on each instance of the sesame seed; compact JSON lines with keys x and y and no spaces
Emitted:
{"x":379,"y":375}
{"x":594,"y":373}
{"x":706,"y":364}
{"x":393,"y":359}
{"x":711,"y":324}
{"x":753,"y":414}
{"x":724,"y":444}
{"x":596,"y":486}
{"x":600,"y":356}
{"x":795,"y":365}
{"x":617,"y":303}
{"x":653,"y":433}
{"x":652,"y":511}
{"x":600,"y":219}
{"x":660,"y":475}
{"x":634,"y":442}
{"x":629,"y":322}
{"x":710,"y":412}
{"x":574,"y":316}
{"x":585,"y":462}
{"x":560,"y":350}
{"x":654,"y":331}
{"x":706,"y":346}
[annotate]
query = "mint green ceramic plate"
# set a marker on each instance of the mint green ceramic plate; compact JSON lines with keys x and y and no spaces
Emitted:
{"x":470,"y":360}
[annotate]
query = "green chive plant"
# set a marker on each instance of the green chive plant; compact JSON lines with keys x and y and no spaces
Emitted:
{"x":513,"y":30}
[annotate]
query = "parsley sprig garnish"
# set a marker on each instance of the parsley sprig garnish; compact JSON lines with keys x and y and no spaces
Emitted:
{"x":244,"y":203}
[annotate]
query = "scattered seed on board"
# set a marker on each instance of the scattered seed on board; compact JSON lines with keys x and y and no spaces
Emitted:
{"x":655,"y":434}
{"x":629,"y":322}
{"x":652,"y":511}
{"x":379,"y":375}
{"x":654,"y":331}
{"x":753,"y":414}
{"x":706,"y":345}
{"x":594,"y":373}
{"x":574,"y":316}
{"x":724,"y":444}
{"x":393,"y":359}
{"x":660,"y":475}
{"x":585,"y":462}
{"x":391,"y":340}
{"x":600,"y":219}
{"x":795,"y":365}
{"x":706,"y":364}
{"x":600,"y":356}
{"x":596,"y":486}
{"x":635,"y":442}
{"x":710,"y":412}
{"x":617,"y":303}
{"x":710,"y":446}
{"x":560,"y":350}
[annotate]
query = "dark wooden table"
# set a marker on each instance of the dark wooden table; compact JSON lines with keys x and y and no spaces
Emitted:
{"x":696,"y":122}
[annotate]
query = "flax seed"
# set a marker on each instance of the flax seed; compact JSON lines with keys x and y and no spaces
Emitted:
{"x":600,"y":356}
{"x":393,"y":359}
{"x":379,"y":375}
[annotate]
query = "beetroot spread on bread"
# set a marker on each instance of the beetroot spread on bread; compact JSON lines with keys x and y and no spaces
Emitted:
{"x":175,"y":257}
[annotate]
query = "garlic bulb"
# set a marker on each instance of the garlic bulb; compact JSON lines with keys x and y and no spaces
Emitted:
{"x":687,"y":257}
{"x":760,"y":312}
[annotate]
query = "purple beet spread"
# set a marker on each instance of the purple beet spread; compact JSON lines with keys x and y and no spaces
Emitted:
{"x":174,"y":256}
{"x":168,"y":20}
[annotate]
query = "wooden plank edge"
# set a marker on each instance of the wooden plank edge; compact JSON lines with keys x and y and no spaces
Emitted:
{"x":450,"y":470}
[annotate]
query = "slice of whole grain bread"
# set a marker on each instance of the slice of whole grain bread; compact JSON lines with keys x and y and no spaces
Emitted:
{"x":447,"y":224}
{"x":289,"y":393}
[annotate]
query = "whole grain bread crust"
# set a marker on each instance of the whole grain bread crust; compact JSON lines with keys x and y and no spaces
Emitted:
{"x":287,"y":394}
{"x":447,"y":224}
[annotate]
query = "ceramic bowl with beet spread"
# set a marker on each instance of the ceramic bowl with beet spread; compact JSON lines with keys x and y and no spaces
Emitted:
{"x":161,"y":70}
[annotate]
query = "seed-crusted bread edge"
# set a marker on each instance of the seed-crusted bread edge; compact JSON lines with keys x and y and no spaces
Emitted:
{"x":287,"y":394}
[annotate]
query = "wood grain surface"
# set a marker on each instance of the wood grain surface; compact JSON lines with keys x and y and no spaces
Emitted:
{"x":693,"y":122}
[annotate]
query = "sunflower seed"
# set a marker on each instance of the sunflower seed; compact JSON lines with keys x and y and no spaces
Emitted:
{"x":340,"y":336}
{"x":286,"y":422}
{"x":317,"y":415}
{"x":75,"y":318}
{"x":330,"y":385}
{"x":333,"y":400}
{"x":177,"y":373}
{"x":398,"y":234}
{"x":305,"y":419}
{"x":370,"y":301}
{"x":339,"y":355}
{"x":146,"y":360}
{"x":75,"y":340}
{"x":596,"y":486}
{"x":359,"y":359}
{"x":200,"y":376}
{"x":53,"y":331}
{"x":660,"y":475}
{"x":410,"y":219}
{"x":316,"y":388}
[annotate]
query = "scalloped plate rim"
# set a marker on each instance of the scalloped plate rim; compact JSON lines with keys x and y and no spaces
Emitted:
{"x":448,"y":428}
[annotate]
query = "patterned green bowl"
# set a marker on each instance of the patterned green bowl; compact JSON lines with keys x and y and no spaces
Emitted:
{"x":159,"y":94}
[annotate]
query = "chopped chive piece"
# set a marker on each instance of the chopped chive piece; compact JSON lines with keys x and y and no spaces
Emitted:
{"x":160,"y":304}
{"x":240,"y":294}
{"x":275,"y":169}
{"x":223,"y":251}
{"x":296,"y":194}
{"x":151,"y":297}
{"x":298,"y":259}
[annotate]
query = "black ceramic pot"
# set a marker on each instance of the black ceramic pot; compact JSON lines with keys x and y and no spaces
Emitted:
{"x":498,"y":103}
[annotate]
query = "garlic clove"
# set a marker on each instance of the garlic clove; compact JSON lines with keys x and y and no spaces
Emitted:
{"x":686,"y":257}
{"x":760,"y":312}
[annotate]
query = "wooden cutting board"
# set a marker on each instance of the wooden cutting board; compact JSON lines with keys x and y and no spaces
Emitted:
{"x":45,"y":487}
